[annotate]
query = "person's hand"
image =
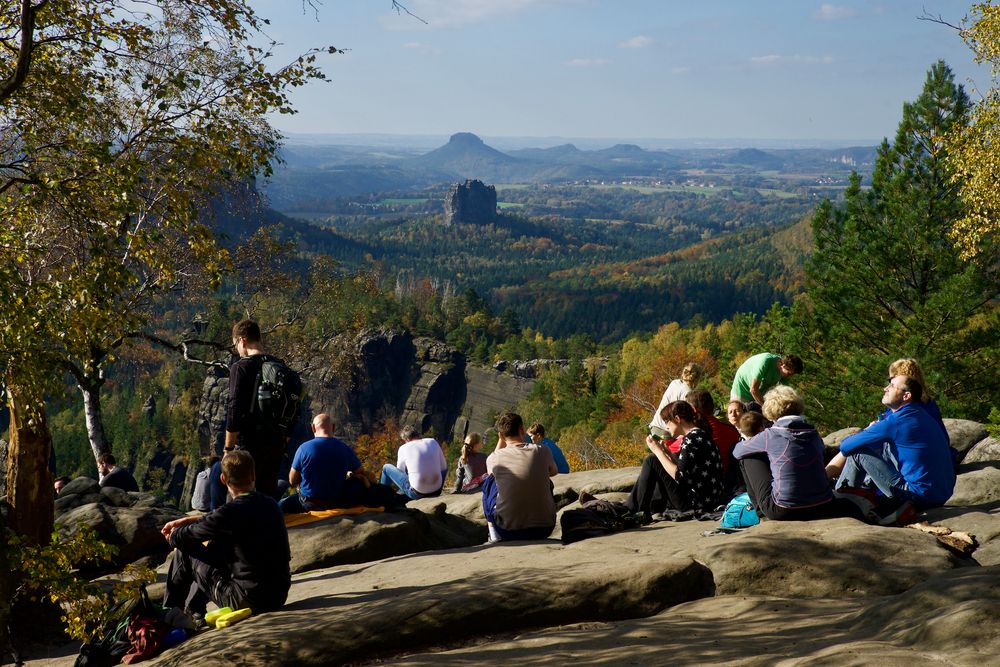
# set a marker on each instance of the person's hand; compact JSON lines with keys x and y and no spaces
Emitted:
{"x":653,"y":444}
{"x":171,"y":526}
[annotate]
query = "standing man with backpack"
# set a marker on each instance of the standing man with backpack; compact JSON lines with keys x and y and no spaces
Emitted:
{"x":264,"y":397}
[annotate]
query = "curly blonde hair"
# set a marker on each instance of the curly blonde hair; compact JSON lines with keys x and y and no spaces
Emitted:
{"x":782,"y":401}
{"x":910,"y":368}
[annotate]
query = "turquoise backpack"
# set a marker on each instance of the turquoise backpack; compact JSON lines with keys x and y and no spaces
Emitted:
{"x":740,"y":513}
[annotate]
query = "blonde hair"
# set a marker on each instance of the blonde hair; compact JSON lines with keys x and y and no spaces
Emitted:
{"x":910,"y":368}
{"x":469,"y":446}
{"x":782,"y":401}
{"x":691,"y":374}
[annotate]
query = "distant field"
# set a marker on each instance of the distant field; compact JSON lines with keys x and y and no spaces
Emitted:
{"x":402,"y":201}
{"x":509,"y":204}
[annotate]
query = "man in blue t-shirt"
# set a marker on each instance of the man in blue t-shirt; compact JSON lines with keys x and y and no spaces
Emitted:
{"x":905,"y":456}
{"x":327,"y":472}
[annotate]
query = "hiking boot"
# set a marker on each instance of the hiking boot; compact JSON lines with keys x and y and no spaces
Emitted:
{"x":866,"y":500}
{"x":643,"y":518}
{"x":895,"y":512}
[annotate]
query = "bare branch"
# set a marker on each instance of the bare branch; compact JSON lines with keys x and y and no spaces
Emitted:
{"x":927,"y":16}
{"x":401,"y":9}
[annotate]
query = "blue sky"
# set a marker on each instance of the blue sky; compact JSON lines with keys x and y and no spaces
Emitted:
{"x":672,"y":69}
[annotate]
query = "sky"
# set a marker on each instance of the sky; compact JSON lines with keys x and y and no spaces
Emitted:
{"x":795,"y":70}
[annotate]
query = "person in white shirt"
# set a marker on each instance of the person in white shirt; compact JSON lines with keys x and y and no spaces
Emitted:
{"x":677,"y":390}
{"x":420,"y":466}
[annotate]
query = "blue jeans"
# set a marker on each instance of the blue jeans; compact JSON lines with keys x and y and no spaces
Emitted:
{"x":393,"y":475}
{"x":879,"y":469}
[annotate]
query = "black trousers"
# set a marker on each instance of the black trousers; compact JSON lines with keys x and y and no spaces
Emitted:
{"x":198,"y":575}
{"x":655,"y":490}
{"x":757,"y":475}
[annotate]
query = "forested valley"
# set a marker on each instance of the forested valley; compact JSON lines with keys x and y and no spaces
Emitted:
{"x":627,"y":285}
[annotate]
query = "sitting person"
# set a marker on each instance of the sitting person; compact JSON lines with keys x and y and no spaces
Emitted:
{"x":471,"y":467}
{"x":517,"y":494}
{"x":734,"y":411}
{"x":905,"y":456}
{"x":246,"y":560}
{"x":420,"y":466}
{"x":751,"y":423}
{"x":59,"y":483}
{"x":112,"y":475}
{"x":723,"y":434}
{"x":677,"y":390}
{"x":327,"y":472}
{"x":690,"y":480}
{"x":537,"y":434}
{"x":783,"y":464}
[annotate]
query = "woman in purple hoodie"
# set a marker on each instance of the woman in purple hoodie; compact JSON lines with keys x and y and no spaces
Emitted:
{"x":783,"y":466}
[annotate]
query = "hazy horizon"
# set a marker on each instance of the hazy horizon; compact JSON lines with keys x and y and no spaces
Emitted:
{"x":726,"y":73}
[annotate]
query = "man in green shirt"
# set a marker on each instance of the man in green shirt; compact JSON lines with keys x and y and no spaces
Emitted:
{"x":761,"y":372}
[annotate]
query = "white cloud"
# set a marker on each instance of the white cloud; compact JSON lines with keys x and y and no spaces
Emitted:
{"x":828,"y":12}
{"x":775,"y":59}
{"x":587,"y":62}
{"x":420,"y":47}
{"x":455,"y":13}
{"x":637,"y":42}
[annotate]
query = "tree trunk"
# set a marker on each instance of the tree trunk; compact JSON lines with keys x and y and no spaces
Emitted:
{"x":29,"y":481}
{"x":95,"y":417}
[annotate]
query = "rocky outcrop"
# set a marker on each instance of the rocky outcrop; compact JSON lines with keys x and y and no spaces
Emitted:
{"x":129,"y":521}
{"x":472,"y":202}
{"x":381,"y":377}
{"x":449,"y":598}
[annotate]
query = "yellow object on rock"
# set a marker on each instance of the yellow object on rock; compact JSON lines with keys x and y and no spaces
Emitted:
{"x":232,"y":618}
{"x":214,"y":615}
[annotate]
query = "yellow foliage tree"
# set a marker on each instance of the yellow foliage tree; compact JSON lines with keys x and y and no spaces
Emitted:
{"x":973,"y":148}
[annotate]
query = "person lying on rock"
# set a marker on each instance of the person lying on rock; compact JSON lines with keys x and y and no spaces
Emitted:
{"x":517,"y":494}
{"x":420,"y":466}
{"x":246,"y":560}
{"x":691,"y":479}
{"x":905,"y":456}
{"x":327,"y":472}
{"x":783,"y":464}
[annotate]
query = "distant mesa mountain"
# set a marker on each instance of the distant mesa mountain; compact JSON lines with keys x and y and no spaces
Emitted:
{"x":466,"y":156}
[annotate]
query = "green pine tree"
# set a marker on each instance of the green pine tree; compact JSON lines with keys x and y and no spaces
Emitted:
{"x":886,"y":281}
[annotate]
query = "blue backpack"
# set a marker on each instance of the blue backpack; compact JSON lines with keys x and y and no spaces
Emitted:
{"x":740,"y":513}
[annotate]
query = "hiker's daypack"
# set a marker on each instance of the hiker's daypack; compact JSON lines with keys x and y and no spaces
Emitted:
{"x":740,"y":513}
{"x":593,"y":518}
{"x":201,"y":498}
{"x":277,"y":396}
{"x":112,"y":642}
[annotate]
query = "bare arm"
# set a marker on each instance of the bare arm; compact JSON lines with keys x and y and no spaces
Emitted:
{"x":755,"y":391}
{"x":231,"y":438}
{"x":294,"y":477}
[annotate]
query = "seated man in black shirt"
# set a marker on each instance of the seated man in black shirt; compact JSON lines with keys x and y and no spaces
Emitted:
{"x":112,"y":475}
{"x":245,"y":563}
